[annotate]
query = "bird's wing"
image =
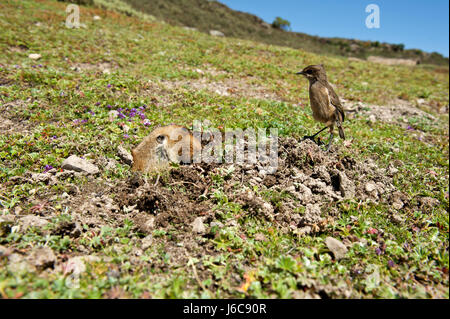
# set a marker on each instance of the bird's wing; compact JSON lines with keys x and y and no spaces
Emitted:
{"x":334,"y":99}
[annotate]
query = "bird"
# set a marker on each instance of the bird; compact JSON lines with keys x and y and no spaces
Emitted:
{"x":325,"y":103}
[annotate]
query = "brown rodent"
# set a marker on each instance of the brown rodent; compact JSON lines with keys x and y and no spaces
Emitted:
{"x":171,"y":143}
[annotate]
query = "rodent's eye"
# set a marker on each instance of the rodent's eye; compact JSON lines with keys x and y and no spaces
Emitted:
{"x":160,"y":139}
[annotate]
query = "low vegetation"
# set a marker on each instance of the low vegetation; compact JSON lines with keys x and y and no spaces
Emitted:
{"x":116,"y":234}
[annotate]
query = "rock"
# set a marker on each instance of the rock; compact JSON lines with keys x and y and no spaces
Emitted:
{"x":42,"y":257}
{"x":312,"y":214}
{"x":216,"y":33}
{"x":190,"y":29}
{"x":290,"y":189}
{"x":198,"y":226}
{"x":147,"y":242}
{"x":124,"y":155}
{"x":346,"y":186}
{"x":6,"y":222}
{"x":260,"y":237}
{"x":336,"y":247}
{"x":31,"y":221}
{"x":34,"y":56}
{"x":96,"y":18}
{"x":44,"y":178}
{"x":397,"y":204}
{"x":145,"y":224}
{"x":77,"y":164}
{"x":77,"y":265}
{"x":370,"y":187}
{"x":18,"y":264}
{"x":216,"y":223}
{"x":64,"y":175}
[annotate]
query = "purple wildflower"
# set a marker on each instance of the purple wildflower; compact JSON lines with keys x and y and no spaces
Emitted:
{"x":126,"y":136}
{"x":62,"y":93}
{"x":92,"y":113}
{"x":378,"y":251}
{"x":391,"y":264}
{"x":47,"y":168}
{"x":97,"y":104}
{"x":84,"y":121}
{"x":147,"y":122}
{"x":109,"y":106}
{"x":121,"y":116}
{"x":40,"y":65}
{"x":142,"y":116}
{"x":410,"y":128}
{"x":108,"y":86}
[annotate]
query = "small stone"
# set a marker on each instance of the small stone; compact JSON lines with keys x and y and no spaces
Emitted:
{"x":260,"y":237}
{"x":216,"y":224}
{"x":42,"y":257}
{"x":370,"y":187}
{"x":147,"y":242}
{"x":190,"y":29}
{"x":290,"y":189}
{"x":346,"y":186}
{"x":398,"y":204}
{"x":124,"y":155}
{"x":216,"y":33}
{"x":35,"y":56}
{"x":18,"y":264}
{"x":96,"y":18}
{"x":77,"y":164}
{"x":336,"y":247}
{"x":31,"y":221}
{"x":198,"y":226}
{"x":77,"y":265}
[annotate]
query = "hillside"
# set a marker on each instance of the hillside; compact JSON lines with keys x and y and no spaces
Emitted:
{"x":207,"y":15}
{"x":369,"y":219}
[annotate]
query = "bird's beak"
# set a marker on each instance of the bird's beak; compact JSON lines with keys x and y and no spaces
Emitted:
{"x":300,"y":73}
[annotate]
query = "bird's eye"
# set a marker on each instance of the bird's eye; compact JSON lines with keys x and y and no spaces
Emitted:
{"x":309,"y":71}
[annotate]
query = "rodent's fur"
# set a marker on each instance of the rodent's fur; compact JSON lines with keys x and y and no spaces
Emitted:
{"x":171,"y":143}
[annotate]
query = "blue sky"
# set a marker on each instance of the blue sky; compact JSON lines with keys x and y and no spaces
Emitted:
{"x":417,"y":24}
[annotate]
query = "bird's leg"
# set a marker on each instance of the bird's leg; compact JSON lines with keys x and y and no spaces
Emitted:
{"x":313,"y":136}
{"x":331,"y":140}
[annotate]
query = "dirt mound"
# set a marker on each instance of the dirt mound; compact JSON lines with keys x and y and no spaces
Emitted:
{"x":309,"y":181}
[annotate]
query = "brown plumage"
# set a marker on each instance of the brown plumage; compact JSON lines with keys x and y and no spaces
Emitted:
{"x":325,"y":103}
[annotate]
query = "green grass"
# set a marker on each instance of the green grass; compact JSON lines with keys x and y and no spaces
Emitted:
{"x":413,"y":257}
{"x":213,"y":15}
